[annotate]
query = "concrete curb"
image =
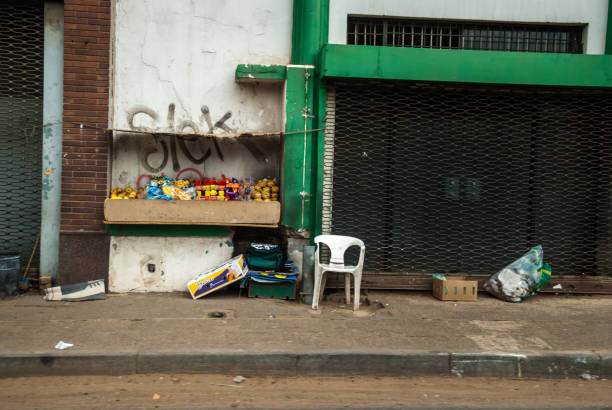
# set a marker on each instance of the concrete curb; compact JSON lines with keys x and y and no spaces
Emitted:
{"x":327,"y":363}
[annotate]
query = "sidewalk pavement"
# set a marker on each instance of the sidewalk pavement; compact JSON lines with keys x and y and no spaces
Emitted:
{"x":395,"y":334}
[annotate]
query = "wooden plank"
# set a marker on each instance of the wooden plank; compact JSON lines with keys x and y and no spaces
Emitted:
{"x":600,"y":285}
{"x":226,"y":213}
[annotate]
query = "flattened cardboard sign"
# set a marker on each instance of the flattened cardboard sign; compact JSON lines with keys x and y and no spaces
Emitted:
{"x":207,"y":282}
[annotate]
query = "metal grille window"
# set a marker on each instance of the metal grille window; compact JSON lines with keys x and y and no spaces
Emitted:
{"x":465,"y":35}
{"x":21,"y":87}
{"x":441,"y":178}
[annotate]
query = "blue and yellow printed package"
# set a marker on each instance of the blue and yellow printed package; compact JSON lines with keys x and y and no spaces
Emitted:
{"x":207,"y":282}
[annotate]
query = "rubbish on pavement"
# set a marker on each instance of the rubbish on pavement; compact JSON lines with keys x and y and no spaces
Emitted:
{"x":61,"y":345}
{"x":557,"y":286}
{"x":456,"y":288}
{"x":239,"y":379}
{"x":588,"y":377}
{"x":522,"y":278}
{"x":224,"y":385}
{"x":218,"y":277}
{"x":91,"y":290}
{"x":156,"y":396}
{"x":44,"y":282}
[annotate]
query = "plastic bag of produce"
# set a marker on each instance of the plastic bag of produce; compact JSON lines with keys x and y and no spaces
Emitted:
{"x":523,"y":277}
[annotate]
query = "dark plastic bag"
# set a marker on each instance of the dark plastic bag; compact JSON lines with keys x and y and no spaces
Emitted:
{"x":264,"y":257}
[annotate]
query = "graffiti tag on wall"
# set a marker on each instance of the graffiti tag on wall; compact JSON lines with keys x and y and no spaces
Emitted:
{"x":179,"y":142}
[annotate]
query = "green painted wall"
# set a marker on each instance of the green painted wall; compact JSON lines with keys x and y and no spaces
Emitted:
{"x":465,"y":66}
{"x":167,"y":230}
{"x":297,"y":163}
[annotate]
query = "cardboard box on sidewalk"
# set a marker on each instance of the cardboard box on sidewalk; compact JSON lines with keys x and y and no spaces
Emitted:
{"x":231,"y":271}
{"x":456,"y":288}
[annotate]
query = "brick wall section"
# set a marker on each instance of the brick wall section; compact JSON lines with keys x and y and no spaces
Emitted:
{"x":87,"y":26}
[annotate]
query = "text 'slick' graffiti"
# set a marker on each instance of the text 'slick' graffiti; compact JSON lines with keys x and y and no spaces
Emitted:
{"x":181,"y":140}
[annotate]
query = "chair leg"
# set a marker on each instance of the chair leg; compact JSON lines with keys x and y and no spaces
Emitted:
{"x":316,"y":293}
{"x":347,"y":287}
{"x":323,"y":283}
{"x":357,"y":276}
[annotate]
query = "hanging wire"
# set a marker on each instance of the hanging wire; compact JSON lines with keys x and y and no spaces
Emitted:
{"x":33,"y":128}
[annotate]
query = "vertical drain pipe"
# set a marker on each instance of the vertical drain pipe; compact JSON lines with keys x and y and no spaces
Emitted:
{"x":310,"y":33}
{"x":53,"y":100}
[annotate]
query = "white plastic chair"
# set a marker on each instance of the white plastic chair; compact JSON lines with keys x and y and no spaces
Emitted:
{"x":337,"y":245}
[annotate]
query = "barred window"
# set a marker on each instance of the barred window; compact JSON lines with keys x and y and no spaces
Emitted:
{"x":461,"y":35}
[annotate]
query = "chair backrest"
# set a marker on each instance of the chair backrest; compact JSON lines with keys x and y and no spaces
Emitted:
{"x":338,"y":245}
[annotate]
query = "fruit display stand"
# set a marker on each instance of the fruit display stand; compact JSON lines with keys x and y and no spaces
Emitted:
{"x":177,"y":212}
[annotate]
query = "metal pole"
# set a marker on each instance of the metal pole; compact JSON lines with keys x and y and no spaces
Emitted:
{"x":53,"y":99}
{"x":308,"y":273}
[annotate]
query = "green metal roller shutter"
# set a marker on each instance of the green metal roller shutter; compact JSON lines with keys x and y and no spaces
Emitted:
{"x":457,"y":178}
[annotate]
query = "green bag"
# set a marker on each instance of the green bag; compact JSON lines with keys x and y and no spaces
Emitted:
{"x":264,"y":257}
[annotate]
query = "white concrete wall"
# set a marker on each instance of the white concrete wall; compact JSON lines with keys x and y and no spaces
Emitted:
{"x":185,"y":53}
{"x":591,"y":12}
{"x":177,"y":260}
